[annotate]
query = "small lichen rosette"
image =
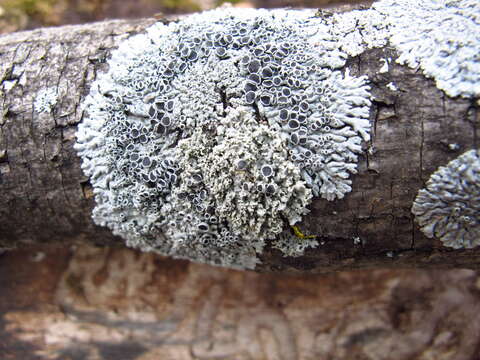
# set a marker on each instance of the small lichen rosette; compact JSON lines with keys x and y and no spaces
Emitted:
{"x":209,"y":136}
{"x":449,"y":207}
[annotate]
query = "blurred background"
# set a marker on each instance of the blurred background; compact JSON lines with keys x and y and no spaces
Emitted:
{"x":18,"y":15}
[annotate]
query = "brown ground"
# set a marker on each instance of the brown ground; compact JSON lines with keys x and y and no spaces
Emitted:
{"x":99,"y":303}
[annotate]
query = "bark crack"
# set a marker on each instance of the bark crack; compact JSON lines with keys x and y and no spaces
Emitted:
{"x":473,"y":116}
{"x":412,"y":244}
{"x":475,"y":126}
{"x":444,"y":107}
{"x":422,"y":140}
{"x":26,"y":186}
{"x":60,"y":128}
{"x":375,"y":120}
{"x":27,"y":167}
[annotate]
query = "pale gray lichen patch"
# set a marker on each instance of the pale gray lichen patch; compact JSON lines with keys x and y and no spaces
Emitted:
{"x":9,"y":85}
{"x":391,"y":86}
{"x":448,"y":208}
{"x":440,"y":37}
{"x":45,"y":100}
{"x":208,"y":137}
{"x":358,"y":30}
{"x":453,"y":147}
{"x":292,"y":245}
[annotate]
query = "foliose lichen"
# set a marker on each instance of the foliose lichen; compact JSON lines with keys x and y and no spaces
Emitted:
{"x":45,"y":100}
{"x":209,"y":136}
{"x":440,"y":37}
{"x":448,"y":208}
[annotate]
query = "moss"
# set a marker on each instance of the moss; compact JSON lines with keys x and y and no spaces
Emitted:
{"x":43,"y":9}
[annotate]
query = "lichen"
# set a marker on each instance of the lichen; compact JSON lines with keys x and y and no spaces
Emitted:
{"x":384,"y":68}
{"x":207,"y":137}
{"x":358,"y":30}
{"x":440,"y":37}
{"x":448,"y":208}
{"x":45,"y":100}
{"x":391,"y":86}
{"x":252,"y":185}
{"x":292,"y":245}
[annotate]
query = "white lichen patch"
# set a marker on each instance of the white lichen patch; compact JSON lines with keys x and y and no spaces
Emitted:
{"x":440,"y":37}
{"x":392,"y":86}
{"x":453,"y":147}
{"x":9,"y":85}
{"x":384,"y":68}
{"x":208,"y":137}
{"x":358,"y":30}
{"x":45,"y":100}
{"x":448,"y":208}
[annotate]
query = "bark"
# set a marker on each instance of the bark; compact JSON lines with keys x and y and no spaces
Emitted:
{"x":110,"y":304}
{"x":45,"y":197}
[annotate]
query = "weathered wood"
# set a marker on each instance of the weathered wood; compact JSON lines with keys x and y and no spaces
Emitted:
{"x":111,"y":304}
{"x":46,"y":198}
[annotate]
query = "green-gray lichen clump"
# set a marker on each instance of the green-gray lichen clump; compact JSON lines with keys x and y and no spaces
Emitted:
{"x":292,"y":245}
{"x":448,"y":208}
{"x":209,"y":137}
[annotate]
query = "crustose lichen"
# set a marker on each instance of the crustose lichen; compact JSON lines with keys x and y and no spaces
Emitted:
{"x":45,"y":100}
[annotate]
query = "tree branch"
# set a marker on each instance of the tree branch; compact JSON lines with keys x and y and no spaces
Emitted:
{"x":45,"y":198}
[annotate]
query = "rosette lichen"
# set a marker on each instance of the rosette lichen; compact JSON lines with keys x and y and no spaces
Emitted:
{"x":210,"y":136}
{"x":448,"y":208}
